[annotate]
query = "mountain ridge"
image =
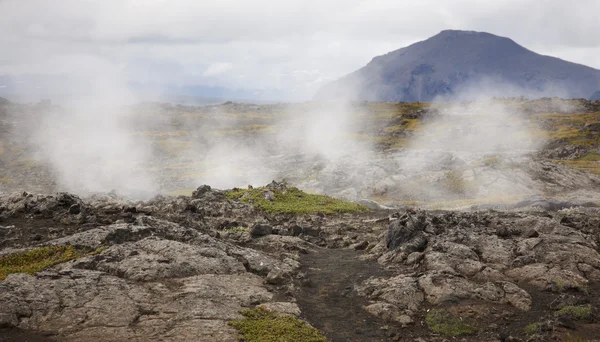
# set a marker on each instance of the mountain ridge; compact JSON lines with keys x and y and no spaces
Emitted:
{"x":460,"y":65}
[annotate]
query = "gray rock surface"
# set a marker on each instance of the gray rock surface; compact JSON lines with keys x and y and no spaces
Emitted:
{"x":153,"y":279}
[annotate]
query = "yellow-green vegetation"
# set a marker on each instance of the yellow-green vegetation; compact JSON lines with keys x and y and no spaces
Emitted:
{"x":294,"y":201}
{"x":157,"y":134}
{"x":590,"y":157}
{"x":493,"y":162}
{"x":455,"y":182}
{"x":410,"y":125}
{"x":562,"y":286}
{"x":443,"y":322}
{"x":577,"y":312}
{"x":38,"y":259}
{"x":24,"y":163}
{"x":260,"y":325}
{"x":174,"y":146}
{"x":591,"y":167}
{"x":570,"y":127}
{"x":250,"y":129}
{"x":236,"y":230}
{"x":388,"y":110}
{"x":390,"y":141}
{"x":589,"y":163}
{"x":4,"y":179}
{"x":533,"y":328}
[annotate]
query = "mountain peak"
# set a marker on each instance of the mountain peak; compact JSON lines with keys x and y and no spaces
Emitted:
{"x":455,"y":62}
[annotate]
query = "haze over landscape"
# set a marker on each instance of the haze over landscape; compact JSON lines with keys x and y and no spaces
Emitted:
{"x":302,"y":171}
{"x":256,"y":50}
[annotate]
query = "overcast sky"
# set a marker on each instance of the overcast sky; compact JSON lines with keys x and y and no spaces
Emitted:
{"x":291,"y":45}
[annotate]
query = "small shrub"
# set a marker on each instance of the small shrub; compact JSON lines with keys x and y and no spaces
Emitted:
{"x":454,"y":182}
{"x":260,"y":325}
{"x":443,"y":322}
{"x":577,"y":312}
{"x":533,"y":328}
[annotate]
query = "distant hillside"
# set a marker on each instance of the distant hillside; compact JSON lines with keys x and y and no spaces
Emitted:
{"x":595,"y":96}
{"x":463,"y":65}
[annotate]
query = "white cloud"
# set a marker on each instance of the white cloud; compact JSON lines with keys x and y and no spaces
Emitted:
{"x":186,"y":41}
{"x":217,"y":69}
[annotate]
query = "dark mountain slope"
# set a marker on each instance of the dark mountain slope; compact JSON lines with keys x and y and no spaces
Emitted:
{"x":463,"y":64}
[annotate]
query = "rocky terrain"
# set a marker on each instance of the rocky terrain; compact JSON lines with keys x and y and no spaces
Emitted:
{"x":183,"y":268}
{"x":439,"y":229}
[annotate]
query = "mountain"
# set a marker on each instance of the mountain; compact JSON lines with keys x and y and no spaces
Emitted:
{"x":595,"y":96}
{"x":463,"y":65}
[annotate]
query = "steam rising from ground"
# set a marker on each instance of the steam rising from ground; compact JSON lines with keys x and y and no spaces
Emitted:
{"x":466,"y":150}
{"x":93,"y":151}
{"x":470,"y":150}
{"x":88,"y":144}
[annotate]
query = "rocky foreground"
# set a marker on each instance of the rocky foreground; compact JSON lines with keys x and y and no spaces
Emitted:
{"x":185,"y":269}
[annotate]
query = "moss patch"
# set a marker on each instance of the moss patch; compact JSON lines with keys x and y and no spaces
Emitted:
{"x":454,"y":182}
{"x":533,"y":328}
{"x":4,"y":179}
{"x":260,"y":325}
{"x":577,"y":312}
{"x":590,"y":157}
{"x":443,"y":322}
{"x":295,"y":201}
{"x":236,"y":230}
{"x":40,"y":258}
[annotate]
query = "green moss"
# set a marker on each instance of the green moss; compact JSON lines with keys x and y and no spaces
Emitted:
{"x":250,"y":129}
{"x":590,"y":157}
{"x":38,"y":259}
{"x":410,"y":125}
{"x":577,"y":312}
{"x":454,"y":182}
{"x":236,"y":230}
{"x":174,"y":146}
{"x":260,"y":325}
{"x":492,"y":162}
{"x":443,"y":322}
{"x":583,"y":165}
{"x":4,"y":179}
{"x":295,"y":201}
{"x":533,"y":328}
{"x":157,"y":134}
{"x":562,"y":286}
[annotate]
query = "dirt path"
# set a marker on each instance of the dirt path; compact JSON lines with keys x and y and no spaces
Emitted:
{"x":327,"y":298}
{"x":328,"y":301}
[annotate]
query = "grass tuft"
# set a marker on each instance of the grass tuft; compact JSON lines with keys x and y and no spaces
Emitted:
{"x":261,"y":325}
{"x":577,"y":312}
{"x":533,"y":328}
{"x":443,"y":322}
{"x":295,"y":201}
{"x":35,"y":260}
